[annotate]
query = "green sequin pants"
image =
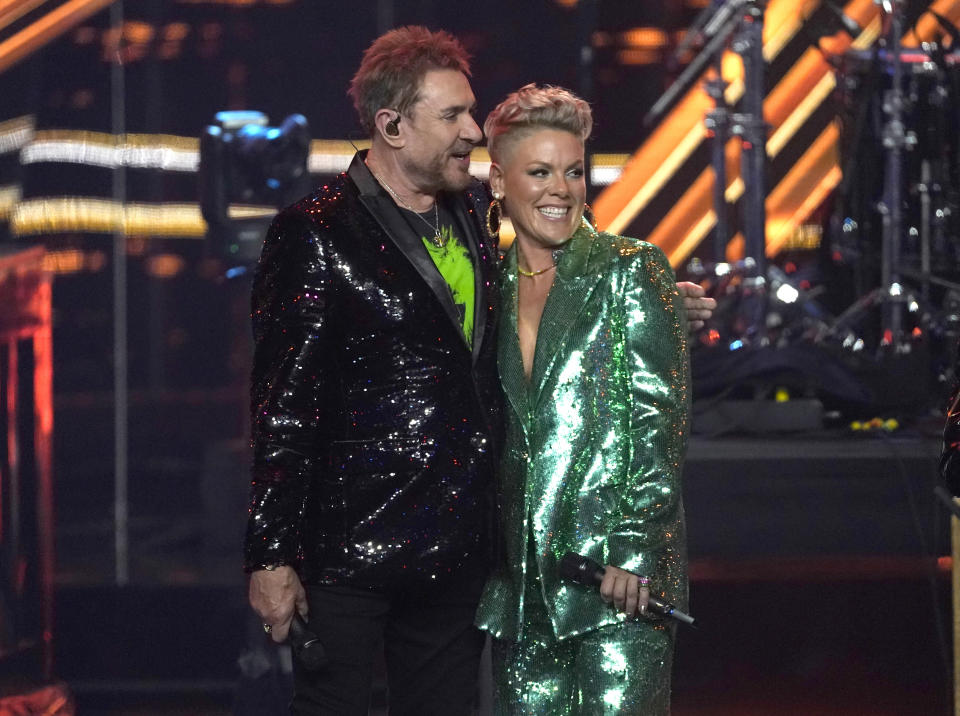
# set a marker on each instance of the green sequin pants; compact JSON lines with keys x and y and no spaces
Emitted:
{"x":621,"y":669}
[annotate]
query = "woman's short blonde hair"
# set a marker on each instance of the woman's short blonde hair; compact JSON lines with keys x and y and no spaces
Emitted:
{"x":532,"y":107}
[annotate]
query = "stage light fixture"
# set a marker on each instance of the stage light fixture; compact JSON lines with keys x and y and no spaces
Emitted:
{"x":248,"y":170}
{"x":787,"y":293}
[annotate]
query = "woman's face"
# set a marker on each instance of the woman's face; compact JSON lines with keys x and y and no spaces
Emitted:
{"x":540,"y":177}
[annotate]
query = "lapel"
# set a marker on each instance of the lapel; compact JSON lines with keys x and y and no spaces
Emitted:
{"x":572,"y":288}
{"x":388,"y":216}
{"x":469,"y":220}
{"x":509,"y":360}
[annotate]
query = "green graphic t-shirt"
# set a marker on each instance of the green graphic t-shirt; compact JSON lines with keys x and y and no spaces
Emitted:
{"x":454,"y":263}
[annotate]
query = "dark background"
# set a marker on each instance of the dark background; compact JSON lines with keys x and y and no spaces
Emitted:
{"x":812,"y":559}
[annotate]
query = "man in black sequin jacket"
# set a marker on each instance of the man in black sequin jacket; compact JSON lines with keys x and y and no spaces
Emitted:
{"x":375,"y":398}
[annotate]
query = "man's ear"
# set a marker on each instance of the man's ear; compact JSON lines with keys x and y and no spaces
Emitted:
{"x":388,"y":124}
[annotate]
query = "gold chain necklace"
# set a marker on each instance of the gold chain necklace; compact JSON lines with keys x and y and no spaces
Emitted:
{"x":531,"y":274}
{"x":437,"y":238}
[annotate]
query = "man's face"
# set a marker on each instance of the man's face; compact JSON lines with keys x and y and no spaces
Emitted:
{"x":440,"y":133}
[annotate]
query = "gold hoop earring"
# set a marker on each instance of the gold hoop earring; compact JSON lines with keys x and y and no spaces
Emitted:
{"x":494,"y":215}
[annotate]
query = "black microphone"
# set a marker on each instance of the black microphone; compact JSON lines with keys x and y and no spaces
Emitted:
{"x":585,"y":571}
{"x":695,"y":33}
{"x":305,"y":644}
{"x":850,"y":26}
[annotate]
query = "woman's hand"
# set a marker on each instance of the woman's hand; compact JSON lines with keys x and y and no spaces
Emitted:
{"x":624,"y":591}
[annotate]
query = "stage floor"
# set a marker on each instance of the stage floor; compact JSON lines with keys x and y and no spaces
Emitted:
{"x":814,"y":580}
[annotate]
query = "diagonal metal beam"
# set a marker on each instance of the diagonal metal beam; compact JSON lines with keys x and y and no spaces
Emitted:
{"x":46,"y":29}
{"x":13,"y":10}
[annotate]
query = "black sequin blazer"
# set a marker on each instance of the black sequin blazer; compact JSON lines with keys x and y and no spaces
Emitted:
{"x":375,"y":426}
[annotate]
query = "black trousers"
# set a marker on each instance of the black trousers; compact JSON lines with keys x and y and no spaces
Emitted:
{"x":431,"y":649}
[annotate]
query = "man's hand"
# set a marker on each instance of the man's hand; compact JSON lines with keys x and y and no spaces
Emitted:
{"x":274,"y":595}
{"x":623,"y":590}
{"x":699,"y":306}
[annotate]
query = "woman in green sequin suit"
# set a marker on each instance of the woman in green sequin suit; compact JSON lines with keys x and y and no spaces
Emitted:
{"x":592,"y":356}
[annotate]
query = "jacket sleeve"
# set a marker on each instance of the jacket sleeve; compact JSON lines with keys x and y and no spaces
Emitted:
{"x":290,"y":332}
{"x":649,"y":513}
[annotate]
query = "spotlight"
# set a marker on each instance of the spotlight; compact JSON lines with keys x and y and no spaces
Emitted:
{"x":787,"y":293}
{"x":248,"y":170}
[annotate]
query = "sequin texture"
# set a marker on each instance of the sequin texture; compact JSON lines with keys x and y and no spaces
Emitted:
{"x":375,"y":426}
{"x":592,"y":462}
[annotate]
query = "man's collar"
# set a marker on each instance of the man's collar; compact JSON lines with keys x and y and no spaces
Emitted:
{"x":361,"y":175}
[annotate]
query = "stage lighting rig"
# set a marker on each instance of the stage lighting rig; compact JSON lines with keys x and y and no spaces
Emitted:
{"x":248,"y":170}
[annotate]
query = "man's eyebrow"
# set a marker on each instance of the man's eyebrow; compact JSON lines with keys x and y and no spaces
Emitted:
{"x":458,"y":108}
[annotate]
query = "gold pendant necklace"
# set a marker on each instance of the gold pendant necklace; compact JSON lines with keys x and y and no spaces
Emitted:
{"x":437,"y":238}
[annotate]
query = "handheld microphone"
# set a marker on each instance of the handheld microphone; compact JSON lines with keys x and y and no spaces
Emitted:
{"x":305,"y":644}
{"x":585,"y":571}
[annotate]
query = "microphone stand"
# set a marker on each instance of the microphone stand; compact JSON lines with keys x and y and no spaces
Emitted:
{"x":718,"y":30}
{"x":894,"y":141}
{"x":722,"y":123}
{"x":750,"y":126}
{"x":743,"y":20}
{"x":718,"y":126}
{"x":752,"y":130}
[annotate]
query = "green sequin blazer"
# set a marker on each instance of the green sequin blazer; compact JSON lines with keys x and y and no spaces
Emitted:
{"x":596,"y":439}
